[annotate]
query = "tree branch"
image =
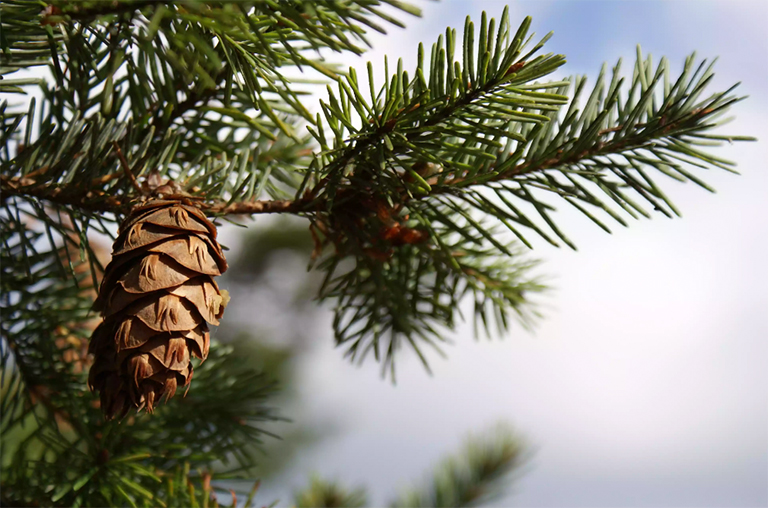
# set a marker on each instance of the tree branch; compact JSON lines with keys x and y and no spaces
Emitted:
{"x":613,"y":147}
{"x":98,"y":201}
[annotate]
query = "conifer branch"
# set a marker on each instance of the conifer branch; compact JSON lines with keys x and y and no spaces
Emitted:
{"x":638,"y":136}
{"x":415,"y":191}
{"x":474,"y":476}
{"x":406,"y":172}
{"x":409,"y":187}
{"x":325,"y":494}
{"x":471,"y":477}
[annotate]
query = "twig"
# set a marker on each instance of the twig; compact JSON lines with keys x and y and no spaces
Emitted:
{"x":253,"y":207}
{"x":127,"y":169}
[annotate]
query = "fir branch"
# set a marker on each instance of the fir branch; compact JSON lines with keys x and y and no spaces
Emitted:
{"x":407,"y":121}
{"x":322,"y":494}
{"x":406,"y":187}
{"x":474,"y":477}
{"x":641,"y":135}
{"x":388,"y":200}
{"x":218,"y":60}
{"x":406,"y":170}
{"x":394,"y":296}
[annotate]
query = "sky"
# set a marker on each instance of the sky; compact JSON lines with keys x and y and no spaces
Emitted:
{"x":646,"y":383}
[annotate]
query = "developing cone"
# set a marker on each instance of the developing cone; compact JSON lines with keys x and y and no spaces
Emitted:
{"x":157,"y":296}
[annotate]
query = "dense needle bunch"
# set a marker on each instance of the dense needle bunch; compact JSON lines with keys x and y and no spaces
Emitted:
{"x":157,"y":294}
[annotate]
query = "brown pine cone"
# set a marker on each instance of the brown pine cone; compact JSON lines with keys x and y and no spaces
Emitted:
{"x":157,"y":294}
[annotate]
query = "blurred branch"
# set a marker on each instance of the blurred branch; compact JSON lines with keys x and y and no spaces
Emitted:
{"x":322,"y":494}
{"x":475,"y":476}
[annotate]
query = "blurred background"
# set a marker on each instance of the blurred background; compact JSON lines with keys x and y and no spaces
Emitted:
{"x":644,"y":385}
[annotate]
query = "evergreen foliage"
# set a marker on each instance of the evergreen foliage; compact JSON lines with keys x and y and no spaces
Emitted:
{"x":468,"y":478}
{"x":419,"y":192}
{"x":471,"y":477}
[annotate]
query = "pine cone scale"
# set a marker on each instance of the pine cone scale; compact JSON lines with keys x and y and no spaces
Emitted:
{"x":169,"y":313}
{"x":142,"y":211}
{"x":191,"y":252}
{"x":141,"y":235}
{"x":153,"y":272}
{"x":141,"y":274}
{"x":132,"y":333}
{"x":173,"y":218}
{"x":151,"y":236}
{"x":204,"y":295}
{"x":157,"y":297}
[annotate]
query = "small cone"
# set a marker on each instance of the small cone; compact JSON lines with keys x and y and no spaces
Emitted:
{"x":157,"y":296}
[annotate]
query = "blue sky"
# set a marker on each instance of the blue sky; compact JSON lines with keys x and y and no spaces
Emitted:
{"x":646,"y":384}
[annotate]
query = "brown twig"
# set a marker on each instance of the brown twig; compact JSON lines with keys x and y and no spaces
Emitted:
{"x":260,"y":206}
{"x":127,"y":169}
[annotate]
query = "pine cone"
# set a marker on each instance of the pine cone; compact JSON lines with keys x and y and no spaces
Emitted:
{"x":156,"y":296}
